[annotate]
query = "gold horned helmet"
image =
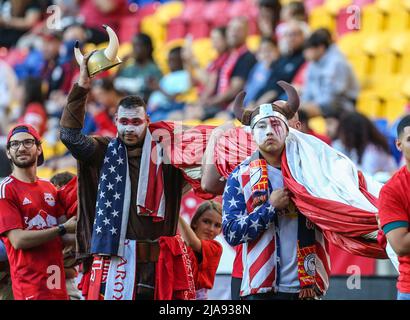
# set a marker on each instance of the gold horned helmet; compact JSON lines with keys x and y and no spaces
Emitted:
{"x":284,"y":110}
{"x":102,"y":59}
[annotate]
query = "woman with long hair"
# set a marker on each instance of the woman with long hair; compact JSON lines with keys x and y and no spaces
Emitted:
{"x":364,"y":144}
{"x":204,"y":251}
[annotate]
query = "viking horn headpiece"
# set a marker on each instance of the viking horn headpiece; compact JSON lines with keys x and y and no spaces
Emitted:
{"x":284,"y":110}
{"x":103,"y":59}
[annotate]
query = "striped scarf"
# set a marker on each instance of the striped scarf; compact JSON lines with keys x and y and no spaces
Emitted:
{"x":306,"y":250}
{"x":114,"y":194}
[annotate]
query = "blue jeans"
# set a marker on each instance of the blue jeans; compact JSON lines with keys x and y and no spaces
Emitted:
{"x":403,"y":296}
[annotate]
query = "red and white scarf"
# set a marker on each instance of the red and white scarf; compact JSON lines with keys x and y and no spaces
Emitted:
{"x":151,"y":197}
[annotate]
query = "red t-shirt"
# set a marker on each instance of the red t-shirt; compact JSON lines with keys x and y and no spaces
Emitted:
{"x":67,"y":198}
{"x":105,"y":125}
{"x":204,"y":271}
{"x":394,"y":212}
{"x":32,"y":206}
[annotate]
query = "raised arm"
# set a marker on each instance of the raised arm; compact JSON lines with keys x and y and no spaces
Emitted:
{"x":211,"y":180}
{"x":189,"y":235}
{"x":72,"y":121}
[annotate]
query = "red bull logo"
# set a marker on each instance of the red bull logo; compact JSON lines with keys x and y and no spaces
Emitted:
{"x":48,"y":197}
{"x":41,"y":221}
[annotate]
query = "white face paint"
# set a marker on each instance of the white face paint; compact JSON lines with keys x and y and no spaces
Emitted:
{"x":131,"y":121}
{"x":269,"y":128}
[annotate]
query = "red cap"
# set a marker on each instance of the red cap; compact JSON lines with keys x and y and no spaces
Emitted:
{"x":23,"y":127}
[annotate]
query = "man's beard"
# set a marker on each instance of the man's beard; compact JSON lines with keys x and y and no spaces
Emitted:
{"x":23,"y":164}
{"x":137,"y":142}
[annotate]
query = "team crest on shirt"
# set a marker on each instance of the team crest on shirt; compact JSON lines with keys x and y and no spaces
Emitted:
{"x":41,"y":221}
{"x":309,"y":264}
{"x":48,"y":197}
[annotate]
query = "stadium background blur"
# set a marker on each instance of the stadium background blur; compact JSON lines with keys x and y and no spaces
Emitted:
{"x":374,"y":36}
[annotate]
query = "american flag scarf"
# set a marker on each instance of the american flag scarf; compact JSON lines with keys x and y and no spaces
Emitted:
{"x":256,"y":178}
{"x":114,"y":194}
{"x":113,"y":202}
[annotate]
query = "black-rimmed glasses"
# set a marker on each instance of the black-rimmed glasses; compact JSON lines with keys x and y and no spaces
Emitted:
{"x":27,"y":143}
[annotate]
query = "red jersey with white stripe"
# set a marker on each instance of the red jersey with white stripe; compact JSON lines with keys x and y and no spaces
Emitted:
{"x":37,"y":273}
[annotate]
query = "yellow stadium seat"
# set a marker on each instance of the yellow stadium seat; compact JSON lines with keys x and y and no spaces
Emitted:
{"x":398,"y":20}
{"x":214,"y":122}
{"x":400,"y":42}
{"x":394,"y":107}
{"x":318,"y":124}
{"x":168,"y":11}
{"x":253,"y":42}
{"x":191,"y":122}
{"x":404,"y":64}
{"x":151,"y":26}
{"x":334,"y":6}
{"x":56,"y":150}
{"x":373,"y":19}
{"x":370,"y":104}
{"x":375,"y":43}
{"x":285,"y":2}
{"x":389,"y":5}
{"x":189,"y":97}
{"x":384,"y":86}
{"x":405,"y":88}
{"x":385,"y":63}
{"x":360,"y":65}
{"x":45,"y":172}
{"x":203,"y":51}
{"x":320,"y":17}
{"x":350,"y":43}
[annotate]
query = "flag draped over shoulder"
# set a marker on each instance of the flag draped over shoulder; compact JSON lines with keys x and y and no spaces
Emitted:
{"x":184,"y":148}
{"x":326,"y":187}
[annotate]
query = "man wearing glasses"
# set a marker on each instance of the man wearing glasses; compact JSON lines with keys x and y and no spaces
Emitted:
{"x":29,"y":222}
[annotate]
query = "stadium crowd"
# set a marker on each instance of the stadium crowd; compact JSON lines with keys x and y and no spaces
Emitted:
{"x":40,"y":79}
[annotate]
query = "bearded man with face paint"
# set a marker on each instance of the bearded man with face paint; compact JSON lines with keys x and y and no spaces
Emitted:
{"x":279,"y":243}
{"x":101,"y":164}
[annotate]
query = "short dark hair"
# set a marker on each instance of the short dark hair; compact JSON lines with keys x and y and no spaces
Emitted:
{"x":176,"y":50}
{"x":321,"y":37}
{"x":146,"y":41}
{"x":405,"y":122}
{"x":303,"y":116}
{"x":61,"y":179}
{"x":130,"y":102}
